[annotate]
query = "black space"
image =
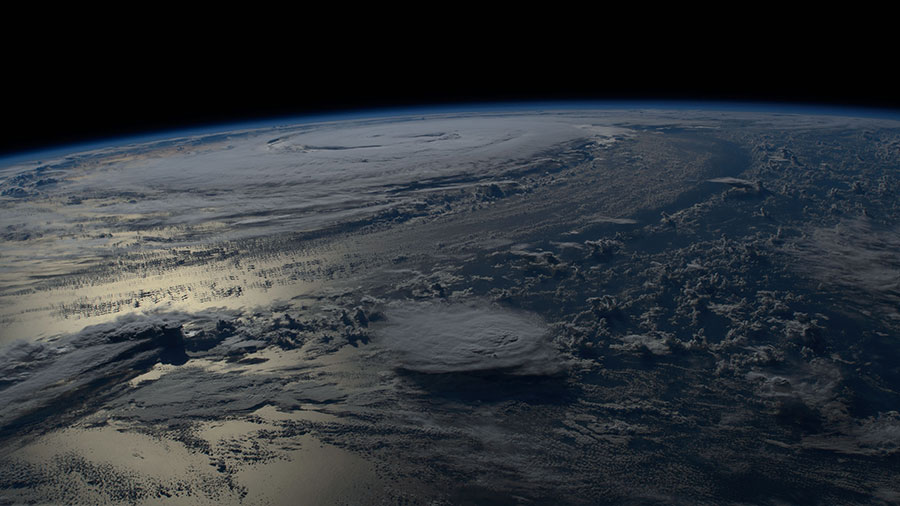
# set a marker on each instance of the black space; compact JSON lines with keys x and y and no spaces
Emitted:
{"x":92,"y":92}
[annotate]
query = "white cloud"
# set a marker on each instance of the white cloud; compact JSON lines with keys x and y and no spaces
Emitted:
{"x":456,"y":338}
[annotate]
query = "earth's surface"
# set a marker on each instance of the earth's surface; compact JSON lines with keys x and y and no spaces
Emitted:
{"x":559,"y":306}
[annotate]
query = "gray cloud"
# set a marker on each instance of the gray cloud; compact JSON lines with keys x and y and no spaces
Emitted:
{"x":38,"y":375}
{"x":855,"y":255}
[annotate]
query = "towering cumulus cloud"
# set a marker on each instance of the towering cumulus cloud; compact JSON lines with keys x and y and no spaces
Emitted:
{"x":448,"y":338}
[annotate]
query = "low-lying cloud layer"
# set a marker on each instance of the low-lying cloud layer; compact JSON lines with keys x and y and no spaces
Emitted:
{"x":859,"y":256}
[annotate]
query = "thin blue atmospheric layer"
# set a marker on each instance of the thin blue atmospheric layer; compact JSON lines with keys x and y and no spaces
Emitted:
{"x":427,"y":109}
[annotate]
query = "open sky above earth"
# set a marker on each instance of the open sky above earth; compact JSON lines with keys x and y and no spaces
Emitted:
{"x":83,"y":90}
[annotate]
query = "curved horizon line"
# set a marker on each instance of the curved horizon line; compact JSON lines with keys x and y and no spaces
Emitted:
{"x":349,"y":114}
